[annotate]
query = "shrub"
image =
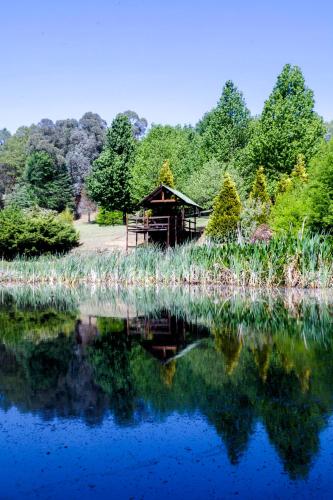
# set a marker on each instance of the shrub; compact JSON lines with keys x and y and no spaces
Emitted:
{"x":227,"y":207}
{"x":109,"y":217}
{"x":34,"y":232}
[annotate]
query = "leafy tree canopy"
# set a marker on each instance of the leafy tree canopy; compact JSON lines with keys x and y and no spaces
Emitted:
{"x":287,"y":127}
{"x":226,"y":128}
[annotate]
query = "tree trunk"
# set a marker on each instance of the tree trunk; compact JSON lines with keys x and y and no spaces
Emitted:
{"x":124,"y":217}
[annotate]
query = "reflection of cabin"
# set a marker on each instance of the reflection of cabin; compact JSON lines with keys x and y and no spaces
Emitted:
{"x":168,"y":218}
{"x":165,"y":336}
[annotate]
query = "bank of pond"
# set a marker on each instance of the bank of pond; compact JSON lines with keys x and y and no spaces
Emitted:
{"x":288,"y":261}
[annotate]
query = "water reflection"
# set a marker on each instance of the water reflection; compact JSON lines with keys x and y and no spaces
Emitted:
{"x":236,"y":357}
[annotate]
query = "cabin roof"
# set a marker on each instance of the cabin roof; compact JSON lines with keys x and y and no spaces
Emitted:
{"x":185,"y":199}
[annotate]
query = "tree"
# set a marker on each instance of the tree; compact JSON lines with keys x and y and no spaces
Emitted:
{"x":259,"y":189}
{"x":179,"y":144}
{"x":76,"y":143}
{"x":4,"y":136}
{"x":109,"y":182}
{"x":226,"y":128}
{"x":14,"y":151}
{"x":227,"y":207}
{"x":49,"y":183}
{"x":287,"y":127}
{"x":320,"y":189}
{"x":166,"y":175}
{"x":139,"y":125}
{"x":204,"y":184}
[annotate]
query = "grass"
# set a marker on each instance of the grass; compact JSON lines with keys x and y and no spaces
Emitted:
{"x":305,"y":262}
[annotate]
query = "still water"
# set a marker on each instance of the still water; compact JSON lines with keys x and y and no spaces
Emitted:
{"x":159,"y":393}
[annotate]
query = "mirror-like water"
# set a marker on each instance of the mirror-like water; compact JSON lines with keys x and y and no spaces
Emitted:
{"x":155,"y":393}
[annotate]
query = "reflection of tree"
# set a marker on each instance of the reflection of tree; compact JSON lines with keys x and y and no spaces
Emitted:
{"x":109,"y":356}
{"x":228,"y":342}
{"x":292,"y":420}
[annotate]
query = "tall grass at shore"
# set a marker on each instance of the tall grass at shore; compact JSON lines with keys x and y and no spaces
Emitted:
{"x":305,"y":262}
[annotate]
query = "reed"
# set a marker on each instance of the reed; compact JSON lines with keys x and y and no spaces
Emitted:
{"x":305,"y":262}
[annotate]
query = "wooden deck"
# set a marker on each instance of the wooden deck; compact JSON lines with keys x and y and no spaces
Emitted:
{"x":175,"y":227}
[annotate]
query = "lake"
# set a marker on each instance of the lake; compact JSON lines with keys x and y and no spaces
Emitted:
{"x":165,"y":393}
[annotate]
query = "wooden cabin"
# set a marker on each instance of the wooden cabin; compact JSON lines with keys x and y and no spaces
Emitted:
{"x":168,"y":217}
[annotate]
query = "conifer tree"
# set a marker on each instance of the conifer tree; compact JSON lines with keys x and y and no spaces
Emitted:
{"x":227,"y":207}
{"x":166,"y":175}
{"x":259,"y":189}
{"x":299,"y":171}
{"x":260,"y":197}
{"x":109,"y":181}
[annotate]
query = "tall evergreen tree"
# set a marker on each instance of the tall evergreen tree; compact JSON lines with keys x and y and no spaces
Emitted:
{"x":50,"y":184}
{"x":227,"y":207}
{"x":109,"y":182}
{"x":288,"y":126}
{"x":225,"y":129}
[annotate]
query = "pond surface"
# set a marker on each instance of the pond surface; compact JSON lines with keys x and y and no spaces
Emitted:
{"x":165,"y":393}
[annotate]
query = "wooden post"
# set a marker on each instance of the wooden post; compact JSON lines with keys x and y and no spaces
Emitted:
{"x":176,"y":229}
{"x":126,"y":233}
{"x":168,"y":233}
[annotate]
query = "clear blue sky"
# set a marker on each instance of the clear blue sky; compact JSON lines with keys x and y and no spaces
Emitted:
{"x":165,"y":59}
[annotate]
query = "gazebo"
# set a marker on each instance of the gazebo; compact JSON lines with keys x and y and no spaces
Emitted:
{"x":168,"y":217}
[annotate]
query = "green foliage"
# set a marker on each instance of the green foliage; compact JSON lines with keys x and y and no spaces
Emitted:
{"x":179,"y":145}
{"x":226,"y":128}
{"x":320,"y":189}
{"x":109,"y":217}
{"x":14,"y":152}
{"x":287,"y":127}
{"x":227,"y":207}
{"x":259,"y":196}
{"x":299,"y":171}
{"x":49,"y":184}
{"x":109,"y":182}
{"x":66,"y":216}
{"x":166,"y":175}
{"x":204,"y":183}
{"x":33,"y":233}
{"x":22,"y":196}
{"x":291,"y":210}
{"x":259,"y":188}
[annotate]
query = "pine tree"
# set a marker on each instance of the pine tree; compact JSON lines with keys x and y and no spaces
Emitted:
{"x":166,"y":175}
{"x":109,"y":182}
{"x":299,"y":171}
{"x":227,"y":207}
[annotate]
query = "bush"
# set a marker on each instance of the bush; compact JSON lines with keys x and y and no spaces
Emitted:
{"x":109,"y":217}
{"x":34,"y":232}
